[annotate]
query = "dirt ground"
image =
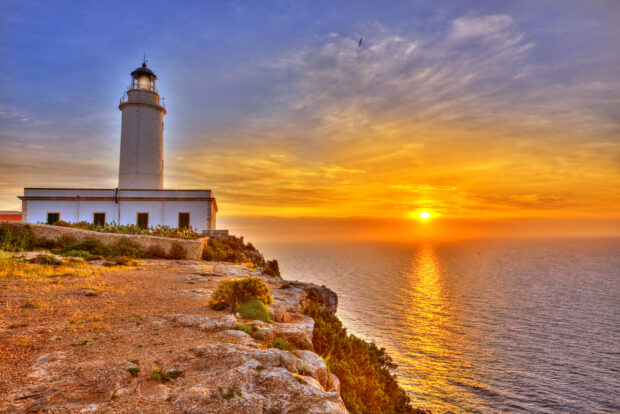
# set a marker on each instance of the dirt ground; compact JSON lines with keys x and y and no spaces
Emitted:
{"x":113,"y":314}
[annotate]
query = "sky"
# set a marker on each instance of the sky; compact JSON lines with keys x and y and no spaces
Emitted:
{"x":498,"y":117}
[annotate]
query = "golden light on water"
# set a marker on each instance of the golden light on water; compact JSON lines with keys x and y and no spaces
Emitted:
{"x":436,"y":355}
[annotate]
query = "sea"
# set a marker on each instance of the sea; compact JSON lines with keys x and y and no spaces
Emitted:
{"x":485,"y":326}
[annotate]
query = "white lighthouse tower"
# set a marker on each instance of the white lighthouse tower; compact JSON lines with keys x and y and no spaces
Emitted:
{"x":142,"y":133}
{"x":140,"y":198}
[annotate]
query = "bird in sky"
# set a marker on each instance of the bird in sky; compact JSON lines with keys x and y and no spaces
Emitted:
{"x":359,"y":44}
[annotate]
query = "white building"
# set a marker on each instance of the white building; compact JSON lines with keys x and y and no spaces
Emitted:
{"x":140,"y":197}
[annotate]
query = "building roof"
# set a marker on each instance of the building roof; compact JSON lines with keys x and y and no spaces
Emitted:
{"x":143,"y":70}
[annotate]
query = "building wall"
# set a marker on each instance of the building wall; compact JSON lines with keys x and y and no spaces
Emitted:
{"x":160,"y":212}
{"x":142,"y":143}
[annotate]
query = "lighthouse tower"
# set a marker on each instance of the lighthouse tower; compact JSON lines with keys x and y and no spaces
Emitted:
{"x":142,"y":133}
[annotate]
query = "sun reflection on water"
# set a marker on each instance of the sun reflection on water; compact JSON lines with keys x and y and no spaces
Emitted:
{"x":435,"y":339}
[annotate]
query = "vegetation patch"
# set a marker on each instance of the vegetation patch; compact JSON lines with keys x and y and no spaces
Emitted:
{"x":231,"y":392}
{"x":228,"y":249}
{"x":282,"y":344}
{"x":159,"y":230}
{"x":134,"y":371}
{"x":272,"y":268}
{"x":248,"y":329}
{"x":160,"y":374}
{"x":254,"y":310}
{"x":366,"y":382}
{"x":231,"y":293}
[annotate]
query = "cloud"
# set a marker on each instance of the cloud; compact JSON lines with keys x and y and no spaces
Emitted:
{"x":468,"y":27}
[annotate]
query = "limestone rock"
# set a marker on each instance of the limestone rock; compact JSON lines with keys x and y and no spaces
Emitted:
{"x":314,"y":366}
{"x":237,"y":380}
{"x":204,"y":322}
{"x":298,"y":333}
{"x":333,"y":384}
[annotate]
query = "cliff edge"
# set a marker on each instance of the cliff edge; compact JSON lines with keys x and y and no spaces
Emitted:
{"x":85,"y":337}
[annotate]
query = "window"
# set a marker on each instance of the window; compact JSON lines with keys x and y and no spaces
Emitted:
{"x":143,"y":220}
{"x":53,"y":218}
{"x":99,"y":219}
{"x":183,"y":220}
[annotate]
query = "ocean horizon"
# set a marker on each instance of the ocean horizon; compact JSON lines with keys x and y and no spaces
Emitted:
{"x":523,"y":325}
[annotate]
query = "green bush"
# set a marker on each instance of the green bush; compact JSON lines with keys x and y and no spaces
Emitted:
{"x":156,"y":252}
{"x":177,"y":251}
{"x":227,"y":249}
{"x":84,"y":254}
{"x":122,"y":247}
{"x":282,"y":344}
{"x":272,"y":268}
{"x":125,"y":247}
{"x":248,"y":329}
{"x":254,"y":310}
{"x":366,"y":383}
{"x":159,"y":230}
{"x":45,"y":259}
{"x":230,"y":293}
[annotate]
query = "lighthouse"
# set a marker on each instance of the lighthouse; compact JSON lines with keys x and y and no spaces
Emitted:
{"x":140,"y":198}
{"x":142,"y":133}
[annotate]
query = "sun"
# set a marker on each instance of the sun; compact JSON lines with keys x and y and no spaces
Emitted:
{"x":425,"y":215}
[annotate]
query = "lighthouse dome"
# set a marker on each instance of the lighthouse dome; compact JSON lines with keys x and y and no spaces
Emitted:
{"x":142,"y":70}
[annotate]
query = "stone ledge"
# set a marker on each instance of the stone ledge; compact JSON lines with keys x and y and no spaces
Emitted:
{"x":193,"y":247}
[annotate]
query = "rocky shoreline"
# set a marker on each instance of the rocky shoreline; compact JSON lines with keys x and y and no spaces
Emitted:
{"x":94,"y":339}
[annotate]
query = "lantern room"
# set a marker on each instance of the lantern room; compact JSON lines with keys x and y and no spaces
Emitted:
{"x":143,"y":78}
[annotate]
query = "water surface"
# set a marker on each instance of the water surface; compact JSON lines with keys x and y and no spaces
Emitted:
{"x":482,"y":326}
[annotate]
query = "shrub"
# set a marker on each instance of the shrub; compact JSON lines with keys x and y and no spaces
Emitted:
{"x":124,"y":261}
{"x":282,"y":344}
{"x":232,"y":391}
{"x":248,"y":329}
{"x":254,"y":310}
{"x":134,"y":371}
{"x":155,"y":252}
{"x":160,"y":374}
{"x":45,"y":259}
{"x":272,"y":268}
{"x":78,"y":253}
{"x":16,"y":239}
{"x":125,"y":247}
{"x":230,"y":293}
{"x":229,"y":249}
{"x":366,"y":383}
{"x":159,"y":230}
{"x":177,"y":251}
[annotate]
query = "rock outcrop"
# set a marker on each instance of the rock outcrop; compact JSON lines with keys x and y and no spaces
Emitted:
{"x":165,"y":351}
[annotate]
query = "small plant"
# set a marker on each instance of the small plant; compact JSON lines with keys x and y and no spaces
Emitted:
{"x":177,"y":251}
{"x":231,"y":392}
{"x":272,"y":268}
{"x":84,"y":254}
{"x":45,"y":259}
{"x":255,"y":310}
{"x":134,"y":371}
{"x":260,"y":368}
{"x":248,"y":329}
{"x":160,"y":374}
{"x":156,"y":252}
{"x":124,"y":261}
{"x":28,"y":304}
{"x":135,"y":361}
{"x":282,"y":344}
{"x":230,"y":293}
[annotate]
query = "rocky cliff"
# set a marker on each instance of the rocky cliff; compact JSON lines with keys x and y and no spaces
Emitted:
{"x":79,"y":337}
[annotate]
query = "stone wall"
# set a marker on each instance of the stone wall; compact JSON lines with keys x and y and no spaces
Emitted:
{"x":192,"y":247}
